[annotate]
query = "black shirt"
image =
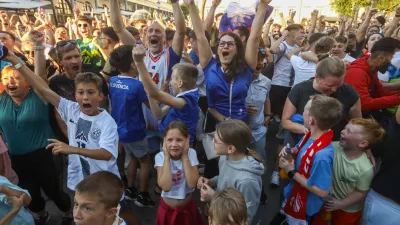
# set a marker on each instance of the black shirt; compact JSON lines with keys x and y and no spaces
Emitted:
{"x":346,"y":94}
{"x":386,"y":182}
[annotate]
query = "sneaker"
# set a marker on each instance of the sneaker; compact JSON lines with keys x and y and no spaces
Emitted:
{"x":131,"y":194}
{"x":67,"y":220}
{"x":275,"y":179}
{"x":263,"y":198}
{"x":144,"y":201}
{"x":42,"y":220}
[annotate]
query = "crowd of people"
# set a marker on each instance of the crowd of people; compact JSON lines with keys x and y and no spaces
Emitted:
{"x":100,"y":99}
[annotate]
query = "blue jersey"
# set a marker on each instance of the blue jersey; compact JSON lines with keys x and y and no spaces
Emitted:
{"x":218,"y":90}
{"x":320,"y":176}
{"x":189,"y":114}
{"x":127,"y":95}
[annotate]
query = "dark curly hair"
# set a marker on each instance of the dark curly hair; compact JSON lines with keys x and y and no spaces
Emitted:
{"x":237,"y":65}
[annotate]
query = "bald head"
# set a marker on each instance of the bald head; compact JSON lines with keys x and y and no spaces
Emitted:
{"x":155,"y":37}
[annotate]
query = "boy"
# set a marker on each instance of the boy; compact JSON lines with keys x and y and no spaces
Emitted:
{"x":97,"y":198}
{"x":13,"y":199}
{"x":92,"y":132}
{"x":184,"y":106}
{"x":127,"y":96}
{"x":228,"y":207}
{"x":339,"y":49}
{"x":308,"y":187}
{"x":352,"y":171}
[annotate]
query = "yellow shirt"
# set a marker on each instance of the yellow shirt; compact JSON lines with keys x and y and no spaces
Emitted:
{"x":349,"y":175}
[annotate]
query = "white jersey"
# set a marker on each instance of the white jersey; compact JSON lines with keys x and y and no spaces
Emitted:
{"x":159,"y":67}
{"x":90,"y":132}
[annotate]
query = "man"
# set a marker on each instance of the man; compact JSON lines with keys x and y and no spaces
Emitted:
{"x":243,"y":32}
{"x":109,"y":39}
{"x":91,"y":56}
{"x":362,"y":74}
{"x":351,"y":45}
{"x":379,"y":21}
{"x":339,"y":48}
{"x":8,"y":40}
{"x":363,"y":30}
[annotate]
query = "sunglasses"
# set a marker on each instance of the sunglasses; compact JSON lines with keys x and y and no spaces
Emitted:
{"x":29,"y":53}
{"x":229,"y":43}
{"x":83,"y":24}
{"x":65,"y":43}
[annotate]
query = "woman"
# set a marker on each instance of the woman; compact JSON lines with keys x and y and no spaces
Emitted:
{"x":228,"y":76}
{"x":24,"y":119}
{"x":370,"y":41}
{"x":328,"y":80}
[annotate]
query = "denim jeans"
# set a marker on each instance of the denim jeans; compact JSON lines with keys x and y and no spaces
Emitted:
{"x":378,"y":210}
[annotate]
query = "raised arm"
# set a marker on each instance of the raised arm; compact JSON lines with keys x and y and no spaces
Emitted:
{"x":362,"y":30}
{"x":342,"y":26}
{"x":253,"y":42}
{"x":313,"y":23}
{"x":35,"y":81}
{"x":208,"y":22}
{"x":393,"y":24}
{"x":149,"y":86}
{"x":320,"y":22}
{"x":118,"y":25}
{"x":179,"y":36}
{"x":205,"y":52}
{"x":275,"y":47}
{"x":267,"y":29}
{"x":40,"y":61}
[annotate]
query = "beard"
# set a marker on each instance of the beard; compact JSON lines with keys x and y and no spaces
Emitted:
{"x":382,"y":69}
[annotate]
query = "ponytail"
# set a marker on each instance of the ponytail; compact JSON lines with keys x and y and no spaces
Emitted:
{"x":254,"y":154}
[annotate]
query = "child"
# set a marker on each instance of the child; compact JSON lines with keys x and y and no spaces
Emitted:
{"x":177,"y":176}
{"x":127,"y":95}
{"x":92,"y":132}
{"x":352,"y":172}
{"x":239,"y":167}
{"x":308,"y":187}
{"x":12,"y":202}
{"x":97,"y":198}
{"x":184,"y":106}
{"x":228,"y":207}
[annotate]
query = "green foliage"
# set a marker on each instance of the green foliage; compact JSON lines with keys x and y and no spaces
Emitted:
{"x":185,"y":10}
{"x":346,"y":7}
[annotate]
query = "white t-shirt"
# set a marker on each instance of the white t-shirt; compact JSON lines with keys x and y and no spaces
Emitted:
{"x":348,"y":58}
{"x":283,"y":68}
{"x":90,"y":132}
{"x":179,"y":185}
{"x":303,"y":69}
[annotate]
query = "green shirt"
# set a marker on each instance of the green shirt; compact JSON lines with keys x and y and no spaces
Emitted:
{"x":91,"y":56}
{"x":349,"y":175}
{"x":26,"y":127}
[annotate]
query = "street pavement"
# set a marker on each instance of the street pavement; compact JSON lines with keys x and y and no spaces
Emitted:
{"x":147,"y":216}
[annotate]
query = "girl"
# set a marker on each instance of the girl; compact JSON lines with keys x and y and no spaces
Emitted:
{"x":239,"y":167}
{"x":177,"y":175}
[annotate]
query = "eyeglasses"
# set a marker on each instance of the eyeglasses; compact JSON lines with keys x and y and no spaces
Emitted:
{"x":65,"y":42}
{"x":83,"y":24}
{"x":229,"y":43}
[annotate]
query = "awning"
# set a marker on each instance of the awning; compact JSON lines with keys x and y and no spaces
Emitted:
{"x":22,"y":4}
{"x":101,"y":11}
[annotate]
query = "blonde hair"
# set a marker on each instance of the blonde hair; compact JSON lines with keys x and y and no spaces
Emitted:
{"x":6,"y":70}
{"x":372,"y":130}
{"x":228,"y":207}
{"x":327,"y":111}
{"x":187,"y":73}
{"x":332,"y":66}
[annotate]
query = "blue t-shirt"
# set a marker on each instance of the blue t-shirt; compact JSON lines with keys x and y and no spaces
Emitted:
{"x":26,"y":127}
{"x":194,"y":57}
{"x":218,"y":90}
{"x":127,"y":95}
{"x":320,"y":176}
{"x":189,"y":114}
{"x":23,"y":217}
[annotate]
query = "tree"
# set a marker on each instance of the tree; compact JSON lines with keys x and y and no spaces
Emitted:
{"x":346,"y":7}
{"x":185,"y":10}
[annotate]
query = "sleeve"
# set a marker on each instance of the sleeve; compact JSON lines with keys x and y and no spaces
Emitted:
{"x":352,"y":95}
{"x":364,"y":182}
{"x":206,"y":69}
{"x":321,"y":174}
{"x":109,"y":137}
{"x":384,"y":76}
{"x":193,"y":157}
{"x":251,"y":191}
{"x":294,"y":95}
{"x":174,"y":59}
{"x":141,"y":93}
{"x":368,"y":104}
{"x":65,"y":107}
{"x":200,"y":77}
{"x":295,"y":61}
{"x":380,"y":90}
{"x":159,"y":160}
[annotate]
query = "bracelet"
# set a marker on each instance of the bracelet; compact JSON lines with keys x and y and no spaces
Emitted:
{"x":40,"y":47}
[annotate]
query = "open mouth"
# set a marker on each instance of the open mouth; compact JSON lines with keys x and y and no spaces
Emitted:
{"x":12,"y":88}
{"x":76,"y":68}
{"x":153,"y":41}
{"x":87,"y":106}
{"x":225,"y":53}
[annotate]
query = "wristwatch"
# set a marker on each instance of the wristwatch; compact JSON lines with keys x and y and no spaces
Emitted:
{"x":291,"y":174}
{"x":19,"y":64}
